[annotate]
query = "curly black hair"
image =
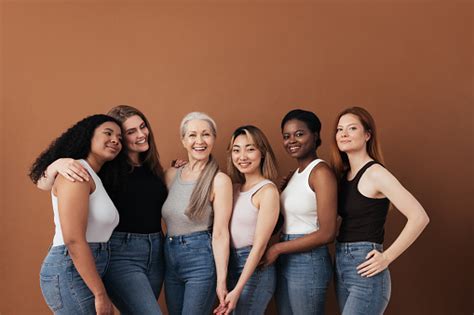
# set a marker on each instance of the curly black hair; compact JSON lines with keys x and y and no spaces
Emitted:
{"x":75,"y":143}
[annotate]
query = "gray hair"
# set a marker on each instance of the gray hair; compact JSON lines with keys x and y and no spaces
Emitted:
{"x":197,"y":116}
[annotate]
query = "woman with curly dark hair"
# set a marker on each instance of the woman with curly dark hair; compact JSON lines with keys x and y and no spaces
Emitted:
{"x":135,"y":273}
{"x":84,"y":217}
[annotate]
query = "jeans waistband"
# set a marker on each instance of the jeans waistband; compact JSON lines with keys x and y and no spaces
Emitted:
{"x":289,"y":237}
{"x":241,"y":250}
{"x":348,"y":246}
{"x":62,"y":249}
{"x":189,"y":236}
{"x":127,"y":236}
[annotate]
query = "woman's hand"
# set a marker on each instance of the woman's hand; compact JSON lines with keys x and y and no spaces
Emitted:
{"x":270,"y":255}
{"x":231,"y":301}
{"x":221,"y":292}
{"x":71,"y":169}
{"x":375,"y":263}
{"x":103,"y":305}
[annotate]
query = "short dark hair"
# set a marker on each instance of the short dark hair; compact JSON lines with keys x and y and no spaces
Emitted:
{"x":309,"y":118}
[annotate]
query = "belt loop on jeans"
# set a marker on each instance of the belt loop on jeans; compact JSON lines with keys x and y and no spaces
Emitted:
{"x":65,"y":251}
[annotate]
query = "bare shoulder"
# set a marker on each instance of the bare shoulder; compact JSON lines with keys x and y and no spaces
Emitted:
{"x":377,"y":172}
{"x":222,"y":179}
{"x":321,"y":173}
{"x":63,"y":185}
{"x":379,"y":175}
{"x":269,"y":190}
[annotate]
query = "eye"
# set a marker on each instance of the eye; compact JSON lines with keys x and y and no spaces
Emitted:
{"x":339,"y":129}
{"x":352,"y":128}
{"x":108,"y":133}
{"x":142,"y":126}
{"x":286,"y":136}
{"x":299,"y":134}
{"x":130,"y":132}
{"x":235,"y":150}
{"x":251,"y":149}
{"x":192,"y":135}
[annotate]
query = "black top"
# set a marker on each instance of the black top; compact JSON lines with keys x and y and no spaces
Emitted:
{"x":139,"y":202}
{"x":363,"y":218}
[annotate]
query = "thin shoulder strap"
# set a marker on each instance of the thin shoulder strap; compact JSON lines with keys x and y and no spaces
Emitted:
{"x":363,"y":169}
{"x":259,"y":186}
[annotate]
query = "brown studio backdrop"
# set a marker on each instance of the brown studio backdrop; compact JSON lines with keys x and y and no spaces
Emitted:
{"x":408,"y":62}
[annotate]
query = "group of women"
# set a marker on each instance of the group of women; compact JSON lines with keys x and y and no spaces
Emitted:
{"x":112,"y":194}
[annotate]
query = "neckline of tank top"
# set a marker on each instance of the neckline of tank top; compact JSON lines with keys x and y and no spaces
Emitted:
{"x":182,"y":181}
{"x":306,"y":168}
{"x":253,"y":187}
{"x":362,"y":170}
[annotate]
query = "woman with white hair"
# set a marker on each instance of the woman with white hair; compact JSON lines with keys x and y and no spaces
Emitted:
{"x":197,"y":213}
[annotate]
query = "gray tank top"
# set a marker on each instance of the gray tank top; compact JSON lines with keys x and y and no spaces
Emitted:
{"x":173,"y":211}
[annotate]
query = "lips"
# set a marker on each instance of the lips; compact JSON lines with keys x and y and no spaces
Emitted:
{"x":293,"y":148}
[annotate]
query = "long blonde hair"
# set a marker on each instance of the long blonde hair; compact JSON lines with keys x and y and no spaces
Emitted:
{"x":268,"y":164}
{"x":339,"y":159}
{"x":151,"y":157}
{"x":201,"y":194}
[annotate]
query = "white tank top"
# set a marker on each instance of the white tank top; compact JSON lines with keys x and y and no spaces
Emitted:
{"x":103,"y":216}
{"x":298,"y":203}
{"x":244,"y":216}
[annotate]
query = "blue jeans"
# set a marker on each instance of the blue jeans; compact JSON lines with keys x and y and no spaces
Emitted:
{"x":259,"y":288}
{"x":63,"y":288}
{"x":303,"y":280}
{"x":135,"y":274}
{"x":357,"y":294}
{"x":190,"y":278}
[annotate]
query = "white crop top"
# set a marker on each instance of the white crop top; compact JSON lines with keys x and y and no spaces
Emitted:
{"x":103,"y":216}
{"x":298,"y":203}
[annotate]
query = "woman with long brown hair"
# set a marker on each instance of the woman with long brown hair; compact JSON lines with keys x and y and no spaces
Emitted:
{"x":366,"y":189}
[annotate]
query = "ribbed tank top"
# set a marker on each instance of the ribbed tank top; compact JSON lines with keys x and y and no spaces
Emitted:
{"x":363,"y":218}
{"x":298,"y":203}
{"x":102,"y":219}
{"x":173,"y":211}
{"x":244,"y":215}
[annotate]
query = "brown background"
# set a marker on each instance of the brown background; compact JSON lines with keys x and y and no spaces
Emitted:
{"x":408,"y":62}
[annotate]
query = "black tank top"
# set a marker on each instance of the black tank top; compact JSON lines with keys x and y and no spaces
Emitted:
{"x":139,"y":202}
{"x":363,"y":218}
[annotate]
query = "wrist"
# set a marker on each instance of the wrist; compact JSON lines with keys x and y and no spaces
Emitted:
{"x":277,"y":248}
{"x":387,"y":255}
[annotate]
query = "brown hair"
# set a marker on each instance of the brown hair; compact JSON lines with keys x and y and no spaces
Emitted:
{"x":268,"y":164}
{"x":339,"y":160}
{"x":202,"y":191}
{"x":151,"y":157}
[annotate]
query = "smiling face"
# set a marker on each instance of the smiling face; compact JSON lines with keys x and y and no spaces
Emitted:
{"x":136,"y":135}
{"x":245,"y":155}
{"x":198,"y":139}
{"x":106,"y":142}
{"x":350,"y":134}
{"x":298,"y":139}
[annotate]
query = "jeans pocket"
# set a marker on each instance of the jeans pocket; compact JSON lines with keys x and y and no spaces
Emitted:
{"x":50,"y":289}
{"x":201,"y":245}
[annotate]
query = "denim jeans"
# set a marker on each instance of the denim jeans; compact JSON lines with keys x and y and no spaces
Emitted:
{"x":259,"y":288}
{"x":63,"y":288}
{"x":190,"y":278}
{"x":303,"y":280}
{"x":135,"y":274}
{"x":357,"y":294}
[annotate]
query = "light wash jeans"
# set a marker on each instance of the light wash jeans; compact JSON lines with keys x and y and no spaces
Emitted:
{"x":303,"y":280}
{"x":190,"y":277}
{"x":63,"y":288}
{"x":359,"y":295}
{"x":135,"y":274}
{"x":259,"y":288}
